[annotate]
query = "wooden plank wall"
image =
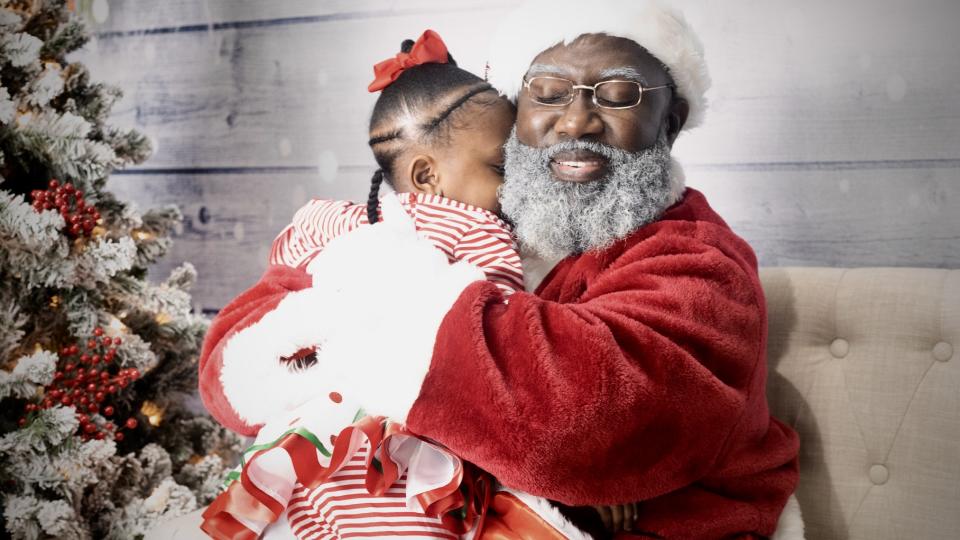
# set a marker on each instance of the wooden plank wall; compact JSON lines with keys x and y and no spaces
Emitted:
{"x":832,"y":137}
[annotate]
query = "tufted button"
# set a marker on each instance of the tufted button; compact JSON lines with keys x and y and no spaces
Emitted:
{"x":942,"y":351}
{"x":879,"y":474}
{"x":839,"y":348}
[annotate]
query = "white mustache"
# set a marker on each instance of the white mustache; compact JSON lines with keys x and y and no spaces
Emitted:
{"x":604,"y":150}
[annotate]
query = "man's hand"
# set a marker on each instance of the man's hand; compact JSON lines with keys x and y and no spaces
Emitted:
{"x":618,"y":518}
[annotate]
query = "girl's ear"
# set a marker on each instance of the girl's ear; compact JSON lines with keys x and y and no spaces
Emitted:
{"x":424,"y":175}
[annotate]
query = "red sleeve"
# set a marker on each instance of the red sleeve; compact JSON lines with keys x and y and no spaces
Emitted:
{"x":623,"y":383}
{"x":239,"y":314}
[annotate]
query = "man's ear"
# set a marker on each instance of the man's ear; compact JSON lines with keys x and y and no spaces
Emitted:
{"x":676,"y":118}
{"x":423,"y":174}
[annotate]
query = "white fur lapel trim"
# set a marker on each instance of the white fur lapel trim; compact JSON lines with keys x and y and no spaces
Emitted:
{"x":678,"y":182}
{"x":790,"y":526}
{"x":546,"y":510}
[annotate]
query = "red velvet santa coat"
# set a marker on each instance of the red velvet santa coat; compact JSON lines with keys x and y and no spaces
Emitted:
{"x":636,"y":373}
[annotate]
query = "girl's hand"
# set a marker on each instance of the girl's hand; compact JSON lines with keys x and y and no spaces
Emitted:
{"x":618,"y":518}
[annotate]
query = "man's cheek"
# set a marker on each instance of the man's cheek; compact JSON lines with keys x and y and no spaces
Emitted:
{"x":534,"y":128}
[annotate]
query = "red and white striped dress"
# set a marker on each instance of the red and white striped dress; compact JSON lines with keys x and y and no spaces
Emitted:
{"x":463,"y":232}
{"x":341,"y":507}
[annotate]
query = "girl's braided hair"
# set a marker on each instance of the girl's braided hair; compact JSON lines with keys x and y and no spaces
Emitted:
{"x":404,"y":103}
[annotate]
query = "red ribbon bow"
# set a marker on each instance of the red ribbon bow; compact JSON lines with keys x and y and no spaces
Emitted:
{"x":429,"y":49}
{"x":243,"y":502}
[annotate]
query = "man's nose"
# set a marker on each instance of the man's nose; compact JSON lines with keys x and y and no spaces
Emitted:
{"x":580,"y":118}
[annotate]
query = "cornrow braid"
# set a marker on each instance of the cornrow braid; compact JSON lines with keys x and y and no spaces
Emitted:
{"x":415,"y":92}
{"x":384,"y":138}
{"x":373,"y":201}
{"x":435,"y":123}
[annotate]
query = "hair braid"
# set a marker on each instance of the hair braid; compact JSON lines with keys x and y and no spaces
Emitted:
{"x":373,"y":201}
{"x":435,"y":122}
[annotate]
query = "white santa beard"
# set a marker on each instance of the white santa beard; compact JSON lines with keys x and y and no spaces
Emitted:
{"x":554,"y":218}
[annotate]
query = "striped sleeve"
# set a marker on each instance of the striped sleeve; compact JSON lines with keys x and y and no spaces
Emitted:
{"x":313,"y":226}
{"x":492,"y":249}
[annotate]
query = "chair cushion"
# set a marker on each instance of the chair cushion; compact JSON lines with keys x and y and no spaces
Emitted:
{"x":865,"y":364}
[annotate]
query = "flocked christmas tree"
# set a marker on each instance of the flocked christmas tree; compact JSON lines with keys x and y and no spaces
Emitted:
{"x":96,"y":363}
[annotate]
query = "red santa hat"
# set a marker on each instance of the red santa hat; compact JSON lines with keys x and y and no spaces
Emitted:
{"x":538,"y":25}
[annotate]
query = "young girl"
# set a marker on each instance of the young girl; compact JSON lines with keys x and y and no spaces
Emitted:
{"x":437,"y":133}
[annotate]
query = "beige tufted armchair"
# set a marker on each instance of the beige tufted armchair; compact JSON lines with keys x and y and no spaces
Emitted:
{"x":865,"y":365}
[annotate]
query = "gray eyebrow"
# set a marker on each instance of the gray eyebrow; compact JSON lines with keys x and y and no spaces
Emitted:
{"x":627,"y":73}
{"x":545,"y":69}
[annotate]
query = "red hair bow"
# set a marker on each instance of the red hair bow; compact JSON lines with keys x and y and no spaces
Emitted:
{"x":429,"y":49}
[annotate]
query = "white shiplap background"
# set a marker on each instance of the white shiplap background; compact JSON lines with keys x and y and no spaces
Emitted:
{"x":833,"y":137}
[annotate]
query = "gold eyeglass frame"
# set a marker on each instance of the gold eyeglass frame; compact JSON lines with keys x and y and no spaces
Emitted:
{"x":593,"y":91}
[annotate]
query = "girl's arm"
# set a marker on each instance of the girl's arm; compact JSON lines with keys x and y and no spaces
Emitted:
{"x":494,"y":251}
{"x":312,"y":228}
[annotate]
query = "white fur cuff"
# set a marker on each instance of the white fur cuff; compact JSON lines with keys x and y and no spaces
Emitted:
{"x":378,"y":298}
{"x":254,"y":380}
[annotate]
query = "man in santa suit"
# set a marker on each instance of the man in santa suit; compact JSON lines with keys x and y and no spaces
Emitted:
{"x":634,"y":370}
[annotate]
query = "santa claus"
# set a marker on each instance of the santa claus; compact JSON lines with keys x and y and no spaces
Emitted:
{"x":635,"y":368}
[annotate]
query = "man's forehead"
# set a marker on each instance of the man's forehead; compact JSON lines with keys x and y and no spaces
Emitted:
{"x":597,"y":56}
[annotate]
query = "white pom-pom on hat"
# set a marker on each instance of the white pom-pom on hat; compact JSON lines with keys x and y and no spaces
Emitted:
{"x":662,"y":30}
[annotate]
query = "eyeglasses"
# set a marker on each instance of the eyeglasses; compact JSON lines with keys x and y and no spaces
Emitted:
{"x":557,"y":92}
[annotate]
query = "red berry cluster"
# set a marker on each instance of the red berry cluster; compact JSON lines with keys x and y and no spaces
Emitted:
{"x":80,"y":218}
{"x":86,"y":388}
